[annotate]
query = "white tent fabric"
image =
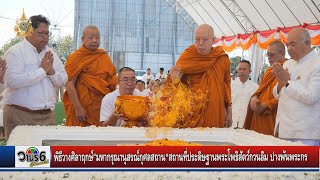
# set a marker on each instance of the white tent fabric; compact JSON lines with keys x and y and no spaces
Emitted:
{"x":256,"y":54}
{"x":232,"y":17}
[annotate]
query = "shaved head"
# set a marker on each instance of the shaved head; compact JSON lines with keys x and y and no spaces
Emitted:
{"x":88,"y":28}
{"x":276,"y":52}
{"x":279,"y":46}
{"x":298,"y":43}
{"x":91,"y":37}
{"x":207,"y":28}
{"x":204,"y":38}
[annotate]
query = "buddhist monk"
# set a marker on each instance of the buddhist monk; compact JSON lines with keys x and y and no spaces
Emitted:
{"x":207,"y":68}
{"x":262,"y":108}
{"x":91,"y":75}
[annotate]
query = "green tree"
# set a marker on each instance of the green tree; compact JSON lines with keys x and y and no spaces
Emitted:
{"x":234,"y":63}
{"x":62,"y":46}
{"x":10,"y":43}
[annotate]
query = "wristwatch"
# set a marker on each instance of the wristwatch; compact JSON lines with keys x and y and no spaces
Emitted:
{"x":288,"y":83}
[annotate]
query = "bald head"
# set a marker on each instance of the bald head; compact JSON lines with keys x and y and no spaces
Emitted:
{"x":91,"y":37}
{"x":207,"y":28}
{"x":278,"y":46}
{"x":88,"y":29}
{"x":300,"y":34}
{"x":298,"y":43}
{"x":276,"y":52}
{"x":204,"y":38}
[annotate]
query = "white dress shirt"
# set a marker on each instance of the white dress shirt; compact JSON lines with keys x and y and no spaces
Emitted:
{"x":107,"y":105}
{"x":241,"y":94}
{"x":27,"y":84}
{"x":160,"y":76}
{"x":145,"y":92}
{"x":298,"y":115}
{"x":145,"y":78}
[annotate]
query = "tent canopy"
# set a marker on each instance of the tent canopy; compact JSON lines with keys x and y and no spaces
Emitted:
{"x":243,"y":22}
{"x":251,"y":24}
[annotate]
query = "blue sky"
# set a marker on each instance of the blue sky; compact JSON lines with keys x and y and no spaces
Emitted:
{"x":60,"y":13}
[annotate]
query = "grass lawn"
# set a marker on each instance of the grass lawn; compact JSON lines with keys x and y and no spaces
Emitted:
{"x":59,"y":115}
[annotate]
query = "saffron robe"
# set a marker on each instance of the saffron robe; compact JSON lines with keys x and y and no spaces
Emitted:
{"x":211,"y":74}
{"x":265,"y":122}
{"x":96,"y":78}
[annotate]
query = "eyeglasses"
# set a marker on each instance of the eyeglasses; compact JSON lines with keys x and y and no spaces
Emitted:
{"x":127,"y":80}
{"x":43,"y":34}
{"x":270,"y":55}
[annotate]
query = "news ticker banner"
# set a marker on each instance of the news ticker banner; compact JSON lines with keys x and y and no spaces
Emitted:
{"x":165,"y":157}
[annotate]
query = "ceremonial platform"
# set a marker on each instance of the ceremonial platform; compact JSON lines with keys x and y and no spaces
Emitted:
{"x":62,"y":135}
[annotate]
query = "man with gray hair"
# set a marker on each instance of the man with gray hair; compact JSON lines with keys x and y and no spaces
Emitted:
{"x":298,"y":91}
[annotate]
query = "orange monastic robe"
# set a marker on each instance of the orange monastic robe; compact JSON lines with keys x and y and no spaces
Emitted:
{"x":264,"y":123}
{"x":210,"y":74}
{"x":97,"y":77}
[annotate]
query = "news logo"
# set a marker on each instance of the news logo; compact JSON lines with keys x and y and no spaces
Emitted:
{"x":27,"y":156}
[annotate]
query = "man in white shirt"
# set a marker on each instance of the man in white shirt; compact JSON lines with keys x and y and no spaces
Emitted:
{"x":34,"y":71}
{"x":298,"y":91}
{"x":147,"y":76}
{"x":140,"y":85}
{"x":161,"y":75}
{"x":127,"y":86}
{"x":241,"y":91}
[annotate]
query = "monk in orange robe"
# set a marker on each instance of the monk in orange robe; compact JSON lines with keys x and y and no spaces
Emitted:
{"x":207,"y":68}
{"x":262,"y":108}
{"x":91,"y":75}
